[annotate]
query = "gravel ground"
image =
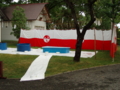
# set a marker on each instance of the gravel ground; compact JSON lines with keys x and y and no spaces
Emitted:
{"x":99,"y":78}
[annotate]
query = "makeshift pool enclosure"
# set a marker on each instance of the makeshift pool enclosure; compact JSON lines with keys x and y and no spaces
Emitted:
{"x":94,"y":39}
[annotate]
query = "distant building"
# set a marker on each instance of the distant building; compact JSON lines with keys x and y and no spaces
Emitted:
{"x":36,"y":14}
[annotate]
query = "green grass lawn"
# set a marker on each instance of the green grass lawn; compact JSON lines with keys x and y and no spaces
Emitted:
{"x":15,"y":66}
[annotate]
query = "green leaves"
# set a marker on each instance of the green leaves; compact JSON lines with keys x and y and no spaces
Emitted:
{"x":18,"y":21}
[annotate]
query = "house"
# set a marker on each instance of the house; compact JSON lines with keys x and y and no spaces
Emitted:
{"x":36,"y":14}
{"x":2,"y":16}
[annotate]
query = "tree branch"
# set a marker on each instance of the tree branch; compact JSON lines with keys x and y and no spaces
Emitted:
{"x":90,"y":6}
{"x":72,"y":8}
{"x":93,"y":1}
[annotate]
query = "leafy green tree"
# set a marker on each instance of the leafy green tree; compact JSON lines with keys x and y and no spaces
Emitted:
{"x":4,"y":3}
{"x":61,"y":15}
{"x":18,"y":21}
{"x":108,"y":9}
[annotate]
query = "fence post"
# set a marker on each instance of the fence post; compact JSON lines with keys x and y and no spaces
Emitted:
{"x":1,"y":71}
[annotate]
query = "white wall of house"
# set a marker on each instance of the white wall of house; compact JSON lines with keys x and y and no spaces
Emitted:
{"x":39,"y":24}
{"x":6,"y":30}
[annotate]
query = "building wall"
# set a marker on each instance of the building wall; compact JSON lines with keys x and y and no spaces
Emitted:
{"x":38,"y":25}
{"x":6,"y":30}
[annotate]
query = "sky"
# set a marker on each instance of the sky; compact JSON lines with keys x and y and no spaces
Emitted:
{"x":16,"y":0}
{"x":118,"y":25}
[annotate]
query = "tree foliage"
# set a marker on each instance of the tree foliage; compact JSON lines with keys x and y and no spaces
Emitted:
{"x":108,"y":10}
{"x":61,"y":15}
{"x":18,"y":21}
{"x":5,"y":3}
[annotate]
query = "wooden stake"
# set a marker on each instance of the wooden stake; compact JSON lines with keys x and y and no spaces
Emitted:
{"x":1,"y":71}
{"x":95,"y":42}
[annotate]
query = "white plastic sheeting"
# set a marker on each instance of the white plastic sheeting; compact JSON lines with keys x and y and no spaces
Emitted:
{"x":84,"y":54}
{"x":37,"y":68}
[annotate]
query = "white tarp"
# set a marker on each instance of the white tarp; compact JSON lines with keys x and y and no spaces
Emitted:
{"x":65,"y":34}
{"x":37,"y":68}
{"x":84,"y":54}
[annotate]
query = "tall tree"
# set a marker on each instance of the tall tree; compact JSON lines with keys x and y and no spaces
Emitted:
{"x":80,"y":35}
{"x":18,"y":21}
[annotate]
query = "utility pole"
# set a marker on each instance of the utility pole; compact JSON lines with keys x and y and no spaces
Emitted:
{"x":0,"y":27}
{"x":1,"y":71}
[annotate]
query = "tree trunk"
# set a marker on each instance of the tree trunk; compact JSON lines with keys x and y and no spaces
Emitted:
{"x":78,"y":49}
{"x":80,"y":36}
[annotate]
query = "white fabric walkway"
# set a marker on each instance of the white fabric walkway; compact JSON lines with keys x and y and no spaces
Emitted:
{"x":37,"y":68}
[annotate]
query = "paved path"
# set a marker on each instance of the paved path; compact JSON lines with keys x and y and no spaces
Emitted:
{"x":99,"y":78}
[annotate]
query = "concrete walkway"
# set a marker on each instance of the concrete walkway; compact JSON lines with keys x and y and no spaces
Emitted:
{"x":99,"y":78}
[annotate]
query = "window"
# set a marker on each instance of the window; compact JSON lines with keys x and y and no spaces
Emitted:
{"x":40,"y":19}
{"x":39,"y":27}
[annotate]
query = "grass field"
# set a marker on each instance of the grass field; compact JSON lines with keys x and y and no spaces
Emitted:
{"x":14,"y":66}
